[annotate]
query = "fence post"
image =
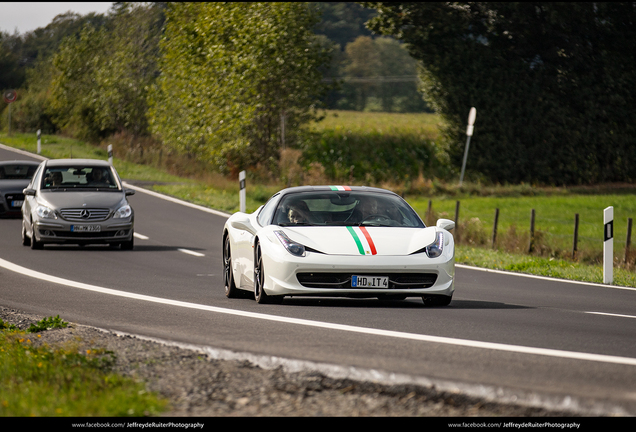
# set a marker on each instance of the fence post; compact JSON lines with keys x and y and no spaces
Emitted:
{"x":576,"y":236}
{"x":629,"y":238}
{"x":494,"y":228}
{"x":531,"y":246}
{"x":429,"y":213}
{"x":608,"y":245}
{"x":242,"y":190}
{"x":457,"y":221}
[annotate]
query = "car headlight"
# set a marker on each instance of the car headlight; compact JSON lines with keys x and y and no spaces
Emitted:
{"x":434,"y":250}
{"x":123,"y":212}
{"x":45,"y":212}
{"x":292,"y":247}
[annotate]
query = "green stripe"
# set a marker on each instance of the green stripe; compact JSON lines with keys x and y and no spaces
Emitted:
{"x":357,"y":240}
{"x":333,"y":188}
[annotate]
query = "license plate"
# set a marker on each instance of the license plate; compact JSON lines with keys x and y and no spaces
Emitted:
{"x":370,"y":281}
{"x":17,"y":203}
{"x":86,"y":228}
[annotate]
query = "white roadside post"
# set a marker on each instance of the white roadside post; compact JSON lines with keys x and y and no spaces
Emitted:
{"x":242,"y":191}
{"x":469,"y":133}
{"x":110,"y":154}
{"x":39,"y":141}
{"x":608,"y":245}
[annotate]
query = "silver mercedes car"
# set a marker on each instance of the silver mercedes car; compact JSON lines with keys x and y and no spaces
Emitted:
{"x":78,"y":201}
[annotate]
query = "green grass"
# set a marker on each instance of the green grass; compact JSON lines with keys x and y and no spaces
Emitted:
{"x":37,"y":380}
{"x":412,"y":123}
{"x":540,"y":266}
{"x":554,"y":219}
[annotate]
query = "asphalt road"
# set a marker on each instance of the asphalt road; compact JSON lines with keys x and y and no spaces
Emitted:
{"x":505,"y":335}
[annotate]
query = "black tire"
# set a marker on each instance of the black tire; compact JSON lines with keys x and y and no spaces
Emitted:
{"x":35,"y":244}
{"x":130,"y":244}
{"x":437,"y":300}
{"x":228,"y":276}
{"x":26,"y":241}
{"x":260,"y":295}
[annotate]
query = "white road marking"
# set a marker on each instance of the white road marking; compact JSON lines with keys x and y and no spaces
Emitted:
{"x":141,"y":236}
{"x":611,"y":314}
{"x":325,"y":325}
{"x":189,"y":252}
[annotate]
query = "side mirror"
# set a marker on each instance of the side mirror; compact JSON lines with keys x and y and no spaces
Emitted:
{"x":129,"y":192}
{"x":242,"y":222}
{"x":29,"y":192}
{"x":446,"y":224}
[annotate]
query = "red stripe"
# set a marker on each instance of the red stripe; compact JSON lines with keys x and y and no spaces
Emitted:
{"x":347,"y":188}
{"x":368,"y":237}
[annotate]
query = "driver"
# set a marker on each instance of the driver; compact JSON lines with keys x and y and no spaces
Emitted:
{"x":367,"y":206}
{"x":98,"y":178}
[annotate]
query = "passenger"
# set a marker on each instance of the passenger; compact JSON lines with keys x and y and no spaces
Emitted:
{"x":98,"y":178}
{"x":298,"y":213}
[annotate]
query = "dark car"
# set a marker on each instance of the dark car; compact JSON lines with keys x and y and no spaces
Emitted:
{"x":14,"y":177}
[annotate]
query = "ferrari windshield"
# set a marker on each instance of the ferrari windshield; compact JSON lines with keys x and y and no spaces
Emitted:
{"x":79,"y":177}
{"x":317,"y":208}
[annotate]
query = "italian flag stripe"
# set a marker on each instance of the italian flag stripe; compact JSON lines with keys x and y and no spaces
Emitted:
{"x":340,"y":188}
{"x":369,"y":240}
{"x":356,"y":239}
{"x":365,"y":243}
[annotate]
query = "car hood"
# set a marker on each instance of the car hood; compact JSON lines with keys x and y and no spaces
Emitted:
{"x":88,"y":199}
{"x":13,"y":185}
{"x":343,"y":240}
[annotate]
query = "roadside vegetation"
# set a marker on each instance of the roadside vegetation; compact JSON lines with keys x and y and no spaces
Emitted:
{"x":555,"y":207}
{"x":37,"y":380}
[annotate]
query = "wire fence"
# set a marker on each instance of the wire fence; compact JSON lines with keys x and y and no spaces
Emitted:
{"x":571,"y":236}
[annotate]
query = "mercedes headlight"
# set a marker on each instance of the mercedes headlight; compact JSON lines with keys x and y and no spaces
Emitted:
{"x":123,"y":212}
{"x":45,"y":212}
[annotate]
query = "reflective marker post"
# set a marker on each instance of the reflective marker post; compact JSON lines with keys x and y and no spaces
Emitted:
{"x":608,"y":245}
{"x":39,"y":141}
{"x":110,"y":154}
{"x":242,"y":191}
{"x":469,"y":133}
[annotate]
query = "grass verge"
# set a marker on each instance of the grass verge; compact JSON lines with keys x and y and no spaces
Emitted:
{"x":37,"y":380}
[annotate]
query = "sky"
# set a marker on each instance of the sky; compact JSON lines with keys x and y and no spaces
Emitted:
{"x":28,"y":16}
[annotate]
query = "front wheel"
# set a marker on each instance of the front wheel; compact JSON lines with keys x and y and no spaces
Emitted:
{"x":259,"y":280}
{"x":26,"y":241}
{"x":129,"y":244}
{"x":35,"y":244}
{"x":228,"y":276}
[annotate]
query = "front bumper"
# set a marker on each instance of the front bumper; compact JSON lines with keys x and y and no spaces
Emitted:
{"x":65,"y":232}
{"x":411,"y":276}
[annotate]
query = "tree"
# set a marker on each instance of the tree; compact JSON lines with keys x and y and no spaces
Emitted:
{"x":230,"y":72}
{"x":382,"y":69}
{"x":104,"y":74}
{"x":553,"y":84}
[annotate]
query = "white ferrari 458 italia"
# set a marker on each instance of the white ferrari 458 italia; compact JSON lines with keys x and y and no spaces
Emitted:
{"x":338,"y":241}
